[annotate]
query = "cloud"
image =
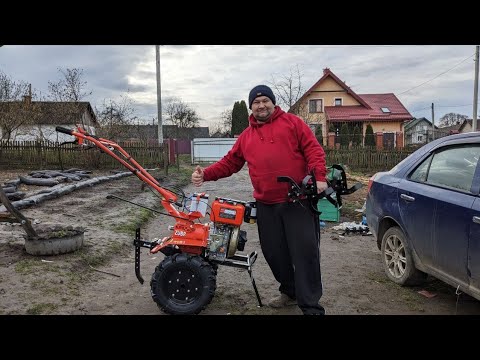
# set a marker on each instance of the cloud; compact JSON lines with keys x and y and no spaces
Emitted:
{"x":212,"y":78}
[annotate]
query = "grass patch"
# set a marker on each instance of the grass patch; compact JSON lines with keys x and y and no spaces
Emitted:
{"x":138,"y":218}
{"x":348,"y":210}
{"x":44,"y":287}
{"x":89,"y":257}
{"x":183,"y":176}
{"x":42,"y":308}
{"x":117,"y":247}
{"x":412,"y":301}
{"x":407,"y":295}
{"x":27,"y":266}
{"x":378,"y":278}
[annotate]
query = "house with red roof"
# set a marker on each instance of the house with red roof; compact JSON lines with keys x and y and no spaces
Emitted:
{"x":330,"y":103}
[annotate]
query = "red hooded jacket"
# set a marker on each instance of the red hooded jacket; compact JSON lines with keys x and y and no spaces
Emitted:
{"x":282,"y":146}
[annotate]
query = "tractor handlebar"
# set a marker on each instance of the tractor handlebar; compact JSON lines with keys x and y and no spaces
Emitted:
{"x":64,"y":130}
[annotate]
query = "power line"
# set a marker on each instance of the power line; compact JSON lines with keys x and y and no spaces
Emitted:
{"x":441,"y":106}
{"x":425,"y":108}
{"x":454,"y":105}
{"x":438,"y":75}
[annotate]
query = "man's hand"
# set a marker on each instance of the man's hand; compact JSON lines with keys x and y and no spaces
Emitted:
{"x":321,"y":186}
{"x":197,"y":176}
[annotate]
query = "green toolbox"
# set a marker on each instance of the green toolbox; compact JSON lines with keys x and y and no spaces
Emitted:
{"x":328,"y":211}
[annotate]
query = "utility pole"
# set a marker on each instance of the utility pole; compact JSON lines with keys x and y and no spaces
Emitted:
{"x":475,"y":93}
{"x":159,"y":97}
{"x":433,"y":123}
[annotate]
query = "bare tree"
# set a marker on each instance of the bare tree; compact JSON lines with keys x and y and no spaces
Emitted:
{"x":223,"y":127}
{"x":70,"y":87}
{"x":16,"y":108}
{"x":67,"y":93}
{"x":114,"y":115}
{"x":181,"y":114}
{"x":288,"y":88}
{"x":11,"y":90}
{"x":226,"y":121}
{"x":451,"y":119}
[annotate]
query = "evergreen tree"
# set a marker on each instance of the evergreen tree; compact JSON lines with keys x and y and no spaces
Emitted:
{"x":319,"y":134}
{"x":239,"y":117}
{"x":357,"y":136}
{"x":369,"y":137}
{"x":344,"y":136}
{"x":243,"y":118}
{"x":331,"y":128}
{"x":235,"y":117}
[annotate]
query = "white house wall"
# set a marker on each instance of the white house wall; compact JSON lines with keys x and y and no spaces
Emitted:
{"x":45,"y":132}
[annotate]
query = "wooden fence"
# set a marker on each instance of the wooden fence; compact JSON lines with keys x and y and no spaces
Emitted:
{"x":52,"y":155}
{"x":43,"y":155}
{"x":366,"y":160}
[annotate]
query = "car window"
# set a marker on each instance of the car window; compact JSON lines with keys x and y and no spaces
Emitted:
{"x":420,"y":173}
{"x":453,"y":167}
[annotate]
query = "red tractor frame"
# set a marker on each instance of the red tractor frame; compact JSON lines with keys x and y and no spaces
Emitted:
{"x":185,"y":280}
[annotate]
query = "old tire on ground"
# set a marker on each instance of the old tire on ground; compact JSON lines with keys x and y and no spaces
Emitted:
{"x":183,"y":284}
{"x":397,"y":259}
{"x":54,"y":245}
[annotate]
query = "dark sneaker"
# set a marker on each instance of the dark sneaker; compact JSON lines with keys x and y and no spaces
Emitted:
{"x":318,"y":310}
{"x":281,"y":300}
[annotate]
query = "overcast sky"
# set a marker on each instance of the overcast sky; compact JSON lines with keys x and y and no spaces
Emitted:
{"x":210,"y":78}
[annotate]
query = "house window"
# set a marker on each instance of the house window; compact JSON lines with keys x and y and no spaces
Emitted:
{"x":338,"y":102}
{"x":315,"y":106}
{"x":385,"y":110}
{"x":419,"y":138}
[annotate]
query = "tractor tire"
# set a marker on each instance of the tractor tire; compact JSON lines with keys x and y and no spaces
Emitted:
{"x":183,"y":284}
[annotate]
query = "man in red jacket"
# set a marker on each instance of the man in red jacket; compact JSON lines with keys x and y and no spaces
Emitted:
{"x":280,"y":144}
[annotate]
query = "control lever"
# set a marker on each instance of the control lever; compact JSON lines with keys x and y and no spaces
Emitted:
{"x":308,"y":190}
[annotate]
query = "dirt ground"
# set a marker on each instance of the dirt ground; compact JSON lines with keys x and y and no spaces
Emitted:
{"x":99,"y":279}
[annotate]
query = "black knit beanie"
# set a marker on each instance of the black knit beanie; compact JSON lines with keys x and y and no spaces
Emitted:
{"x":260,"y":90}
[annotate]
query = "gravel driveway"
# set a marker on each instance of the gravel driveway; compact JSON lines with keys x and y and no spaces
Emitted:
{"x":353,"y":278}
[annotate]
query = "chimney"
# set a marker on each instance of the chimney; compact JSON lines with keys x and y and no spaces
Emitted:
{"x":28,"y":98}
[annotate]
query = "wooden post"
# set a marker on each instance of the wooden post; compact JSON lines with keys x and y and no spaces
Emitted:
{"x":27,"y":226}
{"x":59,"y":155}
{"x":165,"y":157}
{"x":177,"y":155}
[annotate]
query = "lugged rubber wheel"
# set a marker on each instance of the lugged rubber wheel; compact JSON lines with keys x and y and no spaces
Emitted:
{"x":183,"y":284}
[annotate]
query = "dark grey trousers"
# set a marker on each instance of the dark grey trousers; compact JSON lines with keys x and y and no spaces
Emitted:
{"x":290,"y":239}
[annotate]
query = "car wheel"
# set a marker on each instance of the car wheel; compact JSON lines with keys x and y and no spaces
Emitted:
{"x":398,"y":260}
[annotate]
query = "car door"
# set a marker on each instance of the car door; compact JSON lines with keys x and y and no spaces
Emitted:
{"x":452,"y":171}
{"x":474,"y":247}
{"x":416,"y":202}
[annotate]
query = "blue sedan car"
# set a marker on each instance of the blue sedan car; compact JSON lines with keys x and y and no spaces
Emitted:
{"x":425,"y":214}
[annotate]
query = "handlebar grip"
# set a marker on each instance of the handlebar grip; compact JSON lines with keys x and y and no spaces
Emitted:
{"x":63,"y":130}
{"x":328,"y":191}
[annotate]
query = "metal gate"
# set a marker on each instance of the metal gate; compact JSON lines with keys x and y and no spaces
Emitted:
{"x":210,"y":149}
